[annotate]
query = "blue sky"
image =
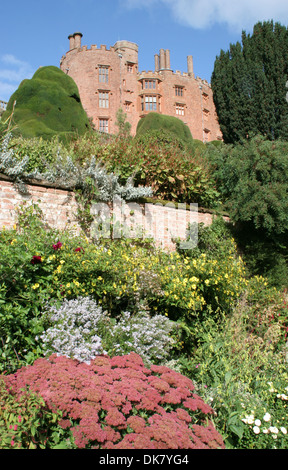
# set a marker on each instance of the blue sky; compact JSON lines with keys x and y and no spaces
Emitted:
{"x":35,"y":33}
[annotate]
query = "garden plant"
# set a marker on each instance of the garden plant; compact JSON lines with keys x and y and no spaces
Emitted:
{"x":119,"y":344}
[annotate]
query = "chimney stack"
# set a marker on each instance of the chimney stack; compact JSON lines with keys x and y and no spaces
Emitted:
{"x":71,"y":39}
{"x":156,"y":57}
{"x":162,"y":59}
{"x":167,"y":59}
{"x":190,"y":65}
{"x":77,"y":40}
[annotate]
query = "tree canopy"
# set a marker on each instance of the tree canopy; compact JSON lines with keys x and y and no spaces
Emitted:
{"x":249,"y":85}
{"x":252,"y":179}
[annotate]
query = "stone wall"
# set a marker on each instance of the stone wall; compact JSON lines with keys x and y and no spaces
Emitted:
{"x":163,"y":223}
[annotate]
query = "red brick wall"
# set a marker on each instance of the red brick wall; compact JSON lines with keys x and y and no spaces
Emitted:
{"x":126,"y":87}
{"x":59,"y":207}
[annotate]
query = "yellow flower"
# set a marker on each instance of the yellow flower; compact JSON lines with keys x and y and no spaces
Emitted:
{"x":35,"y":286}
{"x":62,"y":261}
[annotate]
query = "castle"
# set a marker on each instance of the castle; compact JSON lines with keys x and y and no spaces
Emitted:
{"x":109,"y":79}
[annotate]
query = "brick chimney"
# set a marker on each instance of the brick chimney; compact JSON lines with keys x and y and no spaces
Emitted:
{"x":190,"y":65}
{"x":77,"y":39}
{"x":71,"y":39}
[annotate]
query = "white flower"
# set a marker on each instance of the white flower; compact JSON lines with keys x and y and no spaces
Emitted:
{"x":283,"y":430}
{"x":267,"y":417}
{"x":250,"y":419}
{"x":265,"y":431}
{"x":257,"y":422}
{"x":256,"y":429}
{"x":273,"y":429}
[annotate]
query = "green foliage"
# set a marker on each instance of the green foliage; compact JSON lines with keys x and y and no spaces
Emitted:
{"x":47,"y":105}
{"x":235,"y":364}
{"x":123,"y":125}
{"x":26,"y":422}
{"x":41,"y":152}
{"x":249,"y":85}
{"x":169,"y":124}
{"x":158,"y":160}
{"x":252,"y":179}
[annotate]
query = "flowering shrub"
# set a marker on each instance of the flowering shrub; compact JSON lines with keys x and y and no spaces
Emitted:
{"x":80,"y":329}
{"x":150,"y":337}
{"x":40,"y":265}
{"x":264,"y":430}
{"x":74,"y":330}
{"x":119,"y":403}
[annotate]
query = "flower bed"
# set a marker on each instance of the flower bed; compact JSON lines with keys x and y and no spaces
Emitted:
{"x":118,"y":403}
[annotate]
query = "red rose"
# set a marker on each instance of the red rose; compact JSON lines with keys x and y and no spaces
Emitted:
{"x":36,"y":259}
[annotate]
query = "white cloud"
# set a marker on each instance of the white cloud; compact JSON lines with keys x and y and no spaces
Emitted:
{"x":12,"y":72}
{"x":236,"y":15}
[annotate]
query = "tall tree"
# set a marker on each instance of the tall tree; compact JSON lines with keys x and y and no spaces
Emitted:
{"x":249,"y":85}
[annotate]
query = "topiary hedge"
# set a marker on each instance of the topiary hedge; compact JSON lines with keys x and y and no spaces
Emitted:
{"x":169,"y":124}
{"x":47,"y":105}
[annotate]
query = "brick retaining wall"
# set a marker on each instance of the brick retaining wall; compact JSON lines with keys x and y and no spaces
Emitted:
{"x":59,"y":207}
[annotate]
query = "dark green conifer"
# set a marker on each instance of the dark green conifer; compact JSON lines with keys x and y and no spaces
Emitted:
{"x":249,"y":85}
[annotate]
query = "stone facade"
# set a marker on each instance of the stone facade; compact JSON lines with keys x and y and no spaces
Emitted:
{"x":109,"y":79}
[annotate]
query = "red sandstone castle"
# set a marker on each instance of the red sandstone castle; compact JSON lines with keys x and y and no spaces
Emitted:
{"x":109,"y":79}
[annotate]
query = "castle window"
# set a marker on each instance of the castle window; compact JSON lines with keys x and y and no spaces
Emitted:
{"x":103,"y":99}
{"x":149,"y":84}
{"x":179,"y":90}
{"x":130,"y":67}
{"x":206,"y":113}
{"x":149,"y":103}
{"x":180,"y":111}
{"x":127,"y":106}
{"x":103,"y":74}
{"x":103,"y":125}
